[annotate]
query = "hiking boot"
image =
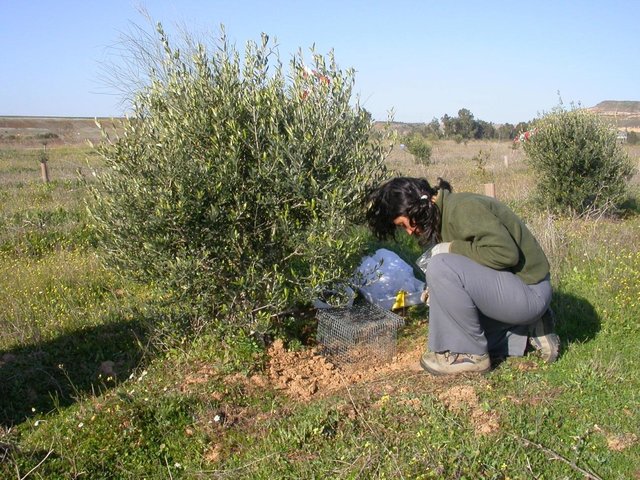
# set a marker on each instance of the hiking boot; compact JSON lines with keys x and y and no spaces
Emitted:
{"x":543,"y":338}
{"x":449,"y":363}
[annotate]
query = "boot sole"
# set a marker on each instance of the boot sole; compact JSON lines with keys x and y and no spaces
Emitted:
{"x":544,"y":339}
{"x":549,"y":347}
{"x":437,"y":373}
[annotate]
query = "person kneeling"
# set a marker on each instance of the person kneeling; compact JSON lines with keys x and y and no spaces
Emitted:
{"x":488,"y":279}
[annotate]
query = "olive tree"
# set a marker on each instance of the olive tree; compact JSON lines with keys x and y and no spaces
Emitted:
{"x":236,"y":185}
{"x":580,"y":167}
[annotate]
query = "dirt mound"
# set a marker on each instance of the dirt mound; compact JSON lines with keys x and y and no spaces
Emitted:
{"x":463,"y":399}
{"x":306,"y":374}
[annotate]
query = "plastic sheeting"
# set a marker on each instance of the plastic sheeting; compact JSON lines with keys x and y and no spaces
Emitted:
{"x":383,"y":275}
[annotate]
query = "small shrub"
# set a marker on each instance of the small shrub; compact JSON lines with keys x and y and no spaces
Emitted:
{"x":47,"y":136}
{"x":235,"y":187}
{"x":481,"y":160}
{"x":633,"y":138}
{"x":580,"y":166}
{"x":43,"y":156}
{"x":419,"y":148}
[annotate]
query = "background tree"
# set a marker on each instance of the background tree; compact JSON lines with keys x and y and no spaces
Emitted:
{"x":485,"y":130}
{"x":433,"y":130}
{"x":580,"y":166}
{"x":467,"y":127}
{"x":448,"y":125}
{"x":506,"y":131}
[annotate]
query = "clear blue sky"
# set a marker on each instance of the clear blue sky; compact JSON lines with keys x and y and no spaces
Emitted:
{"x":504,"y":61}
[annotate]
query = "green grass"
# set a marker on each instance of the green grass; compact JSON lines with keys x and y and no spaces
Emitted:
{"x":89,"y":389}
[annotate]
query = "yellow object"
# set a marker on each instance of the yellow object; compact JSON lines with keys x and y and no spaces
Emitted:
{"x":400,"y":299}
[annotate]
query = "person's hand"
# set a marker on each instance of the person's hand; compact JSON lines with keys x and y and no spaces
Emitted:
{"x":424,"y":296}
{"x":441,"y":248}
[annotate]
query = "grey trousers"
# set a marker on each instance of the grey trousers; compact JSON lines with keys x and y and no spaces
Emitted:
{"x":476,"y":309}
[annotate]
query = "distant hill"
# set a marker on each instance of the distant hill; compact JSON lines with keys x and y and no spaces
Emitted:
{"x":401,"y":128}
{"x":625,"y":115}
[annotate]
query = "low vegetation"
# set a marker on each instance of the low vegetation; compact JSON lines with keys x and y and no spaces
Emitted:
{"x":91,"y":389}
{"x":216,"y":209}
{"x":579,"y":165}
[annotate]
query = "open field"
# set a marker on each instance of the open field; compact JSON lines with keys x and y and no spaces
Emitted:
{"x":36,"y":131}
{"x":88,"y":389}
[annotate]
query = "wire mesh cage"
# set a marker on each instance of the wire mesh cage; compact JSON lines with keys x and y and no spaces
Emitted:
{"x":360,"y":334}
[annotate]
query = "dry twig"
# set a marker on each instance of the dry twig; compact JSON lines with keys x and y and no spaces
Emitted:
{"x":556,"y":456}
{"x":374,"y":433}
{"x":34,"y":468}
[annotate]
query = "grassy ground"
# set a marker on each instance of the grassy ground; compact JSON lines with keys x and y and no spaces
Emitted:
{"x":88,"y":392}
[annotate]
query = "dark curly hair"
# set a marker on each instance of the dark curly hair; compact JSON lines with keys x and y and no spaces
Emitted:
{"x":409,"y":197}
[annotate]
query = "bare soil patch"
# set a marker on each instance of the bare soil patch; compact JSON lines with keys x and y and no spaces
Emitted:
{"x":621,"y":441}
{"x":464,"y":399}
{"x":618,"y":441}
{"x":306,"y":374}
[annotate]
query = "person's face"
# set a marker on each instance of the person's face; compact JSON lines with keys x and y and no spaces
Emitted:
{"x":404,"y":222}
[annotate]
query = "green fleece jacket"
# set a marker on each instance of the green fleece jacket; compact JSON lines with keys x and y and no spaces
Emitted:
{"x":488,"y":232}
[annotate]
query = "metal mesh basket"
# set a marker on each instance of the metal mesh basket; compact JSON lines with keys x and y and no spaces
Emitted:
{"x":363,"y":333}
